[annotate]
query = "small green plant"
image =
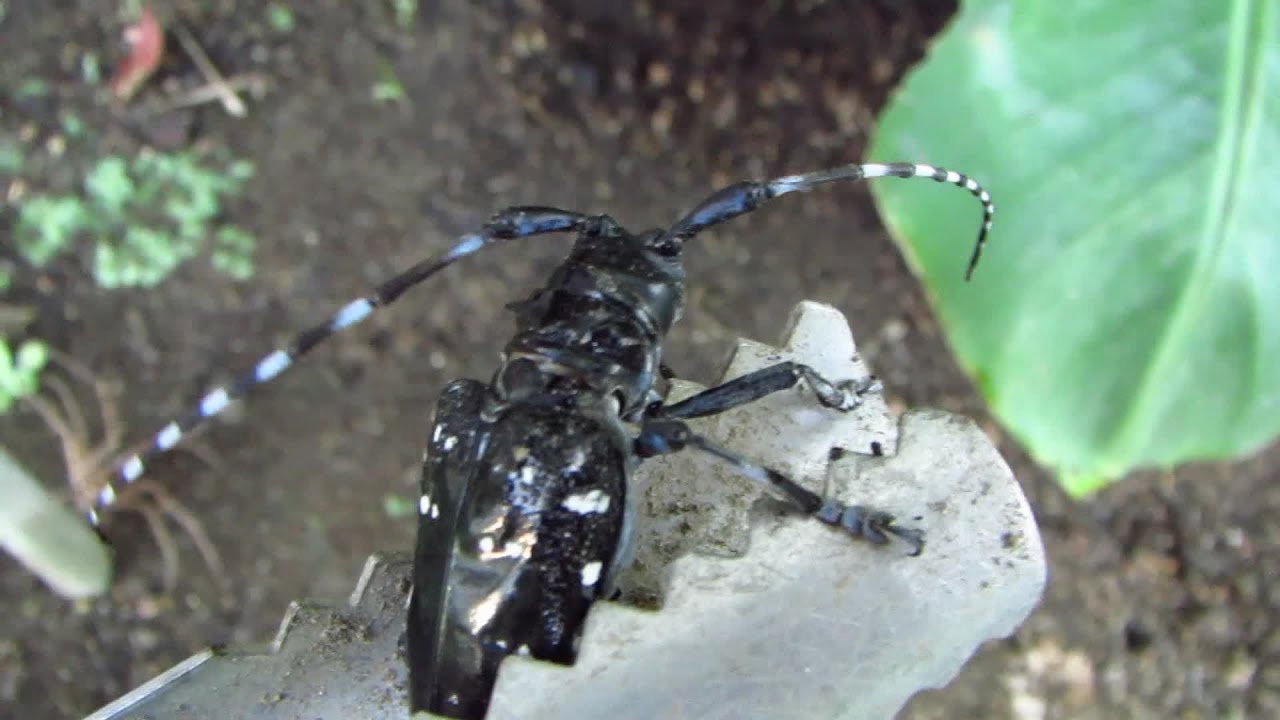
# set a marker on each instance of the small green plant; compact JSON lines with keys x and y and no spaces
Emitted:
{"x":405,"y":11}
{"x":20,"y":372}
{"x":72,"y":125}
{"x":11,"y":158}
{"x":32,"y":88}
{"x":281,"y":18}
{"x":90,"y":68}
{"x":398,"y":506}
{"x":144,"y":217}
{"x":388,"y":88}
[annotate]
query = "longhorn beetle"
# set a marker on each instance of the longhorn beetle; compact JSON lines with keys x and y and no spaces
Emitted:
{"x":525,"y":517}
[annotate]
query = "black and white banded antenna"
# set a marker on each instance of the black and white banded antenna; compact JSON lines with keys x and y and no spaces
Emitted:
{"x":866,"y":171}
{"x":514,"y":223}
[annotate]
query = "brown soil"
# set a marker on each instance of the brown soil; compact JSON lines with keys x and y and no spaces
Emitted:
{"x":1161,"y":600}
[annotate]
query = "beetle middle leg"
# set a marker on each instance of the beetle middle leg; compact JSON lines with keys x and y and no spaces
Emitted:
{"x":665,"y":436}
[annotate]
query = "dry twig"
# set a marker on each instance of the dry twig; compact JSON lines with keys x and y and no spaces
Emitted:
{"x":89,"y":465}
{"x":231,"y":102}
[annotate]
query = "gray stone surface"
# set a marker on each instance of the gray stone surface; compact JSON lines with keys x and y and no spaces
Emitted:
{"x":807,"y":623}
{"x":328,"y":660}
{"x":762,"y":613}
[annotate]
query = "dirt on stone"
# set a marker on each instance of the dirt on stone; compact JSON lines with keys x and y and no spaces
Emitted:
{"x":1161,"y":600}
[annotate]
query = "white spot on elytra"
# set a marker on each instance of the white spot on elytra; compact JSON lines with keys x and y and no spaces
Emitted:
{"x":591,"y":573}
{"x":592,"y":501}
{"x":424,"y":505}
{"x":450,"y":442}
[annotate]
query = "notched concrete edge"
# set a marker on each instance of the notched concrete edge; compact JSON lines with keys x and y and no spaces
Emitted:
{"x":806,"y":622}
{"x":786,"y":617}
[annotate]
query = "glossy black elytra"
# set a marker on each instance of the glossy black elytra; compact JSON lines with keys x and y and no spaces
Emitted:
{"x":524,"y":516}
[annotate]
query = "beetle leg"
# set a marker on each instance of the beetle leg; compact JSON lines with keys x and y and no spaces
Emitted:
{"x":844,"y":395}
{"x":661,"y":437}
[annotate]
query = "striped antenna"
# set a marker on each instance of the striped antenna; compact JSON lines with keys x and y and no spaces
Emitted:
{"x":510,"y":224}
{"x":793,"y":183}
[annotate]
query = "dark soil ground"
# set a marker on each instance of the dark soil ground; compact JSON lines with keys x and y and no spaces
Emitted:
{"x":1162,"y":599}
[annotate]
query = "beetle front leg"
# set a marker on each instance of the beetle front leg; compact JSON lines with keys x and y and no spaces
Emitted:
{"x":843,"y":395}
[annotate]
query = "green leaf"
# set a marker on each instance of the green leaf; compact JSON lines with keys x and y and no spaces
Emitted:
{"x":90,"y":69}
{"x":20,"y":375}
{"x":109,"y":185}
{"x":281,"y":18}
{"x":388,"y":88}
{"x":47,"y":225}
{"x":405,"y":11}
{"x":396,"y":506}
{"x":11,"y":158}
{"x":233,"y":252}
{"x":32,"y":357}
{"x":1127,"y":310}
{"x":32,"y":88}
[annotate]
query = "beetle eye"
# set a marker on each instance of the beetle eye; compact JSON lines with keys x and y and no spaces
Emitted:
{"x":667,"y":247}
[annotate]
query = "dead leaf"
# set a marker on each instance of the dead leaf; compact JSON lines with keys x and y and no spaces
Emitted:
{"x":146,"y":48}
